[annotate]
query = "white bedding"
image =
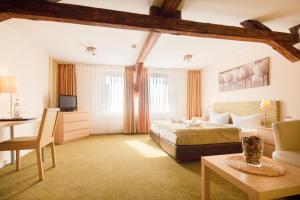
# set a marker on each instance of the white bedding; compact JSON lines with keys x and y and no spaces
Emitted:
{"x":168,"y":135}
{"x":172,"y":137}
{"x":189,"y":133}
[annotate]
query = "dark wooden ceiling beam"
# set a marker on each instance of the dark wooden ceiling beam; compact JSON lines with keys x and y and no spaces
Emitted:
{"x":156,"y":11}
{"x":3,"y":16}
{"x":147,"y":47}
{"x":254,"y":24}
{"x":53,"y":1}
{"x":295,"y":29}
{"x":59,"y":12}
{"x":138,"y":73}
{"x":169,"y":8}
{"x":283,"y":47}
{"x":286,"y":49}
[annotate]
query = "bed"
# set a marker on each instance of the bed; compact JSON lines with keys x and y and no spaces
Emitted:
{"x":190,"y":143}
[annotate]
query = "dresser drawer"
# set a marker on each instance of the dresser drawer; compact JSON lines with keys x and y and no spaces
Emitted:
{"x":74,"y":117}
{"x":71,"y":126}
{"x":76,"y":134}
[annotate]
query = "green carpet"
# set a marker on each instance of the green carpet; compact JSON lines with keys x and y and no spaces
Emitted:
{"x":112,"y":167}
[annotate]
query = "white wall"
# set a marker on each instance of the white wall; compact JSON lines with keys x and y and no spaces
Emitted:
{"x":30,"y":65}
{"x":284,"y":80}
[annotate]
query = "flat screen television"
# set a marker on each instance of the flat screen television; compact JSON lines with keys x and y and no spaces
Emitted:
{"x":67,"y":103}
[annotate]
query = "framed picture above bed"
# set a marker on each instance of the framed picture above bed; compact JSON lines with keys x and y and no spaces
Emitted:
{"x":255,"y":74}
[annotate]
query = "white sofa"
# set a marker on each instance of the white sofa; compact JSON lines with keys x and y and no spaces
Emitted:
{"x":287,"y":142}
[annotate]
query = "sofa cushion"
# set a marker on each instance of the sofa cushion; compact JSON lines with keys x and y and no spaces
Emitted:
{"x":290,"y":157}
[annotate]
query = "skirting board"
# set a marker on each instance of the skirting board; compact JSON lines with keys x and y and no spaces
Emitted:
{"x":2,"y":163}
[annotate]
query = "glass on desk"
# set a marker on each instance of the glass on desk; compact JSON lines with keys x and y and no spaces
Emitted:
{"x":253,"y":150}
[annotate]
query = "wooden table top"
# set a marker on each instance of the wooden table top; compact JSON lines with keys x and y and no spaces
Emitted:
{"x":266,"y":186}
{"x":4,"y":124}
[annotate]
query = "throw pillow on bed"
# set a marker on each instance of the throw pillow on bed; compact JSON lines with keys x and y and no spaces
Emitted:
{"x":246,"y":121}
{"x":194,"y":123}
{"x":219,"y":118}
{"x":178,"y":120}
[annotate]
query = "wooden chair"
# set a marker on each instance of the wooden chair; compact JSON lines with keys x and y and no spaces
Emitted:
{"x":45,"y":136}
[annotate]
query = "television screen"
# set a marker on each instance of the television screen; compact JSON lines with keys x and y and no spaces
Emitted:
{"x":67,"y":103}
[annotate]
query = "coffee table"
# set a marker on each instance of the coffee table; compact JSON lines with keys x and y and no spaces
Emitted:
{"x":257,"y":187}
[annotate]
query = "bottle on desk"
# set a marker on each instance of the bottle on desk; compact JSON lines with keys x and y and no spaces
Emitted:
{"x":17,"y":109}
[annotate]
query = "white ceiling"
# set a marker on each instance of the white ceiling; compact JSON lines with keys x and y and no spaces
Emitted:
{"x":66,"y":42}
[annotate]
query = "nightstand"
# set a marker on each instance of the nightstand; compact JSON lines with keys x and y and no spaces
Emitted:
{"x":269,"y":142}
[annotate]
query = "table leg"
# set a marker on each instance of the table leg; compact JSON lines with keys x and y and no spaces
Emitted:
{"x":43,"y":154}
{"x":12,"y":153}
{"x":205,"y":182}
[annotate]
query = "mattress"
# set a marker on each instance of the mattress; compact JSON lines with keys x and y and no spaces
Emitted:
{"x":207,"y":133}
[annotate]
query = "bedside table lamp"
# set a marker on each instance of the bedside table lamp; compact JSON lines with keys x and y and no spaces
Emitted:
{"x":265,"y":104}
{"x":8,"y":85}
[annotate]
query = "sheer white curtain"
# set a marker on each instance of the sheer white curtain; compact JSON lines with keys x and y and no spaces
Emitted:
{"x":100,"y":91}
{"x":167,"y":93}
{"x":158,"y":95}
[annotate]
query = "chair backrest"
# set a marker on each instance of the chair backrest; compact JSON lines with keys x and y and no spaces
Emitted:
{"x":287,"y":135}
{"x":48,"y":124}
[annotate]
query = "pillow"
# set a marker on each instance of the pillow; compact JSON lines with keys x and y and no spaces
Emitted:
{"x":178,"y":120}
{"x":195,"y":123}
{"x":187,"y":122}
{"x":219,"y":118}
{"x":247,"y":121}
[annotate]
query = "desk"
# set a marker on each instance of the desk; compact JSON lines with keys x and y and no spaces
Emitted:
{"x":11,"y":125}
{"x":257,"y":187}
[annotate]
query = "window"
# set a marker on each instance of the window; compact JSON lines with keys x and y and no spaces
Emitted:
{"x":158,"y":94}
{"x":114,"y":94}
{"x":100,"y":91}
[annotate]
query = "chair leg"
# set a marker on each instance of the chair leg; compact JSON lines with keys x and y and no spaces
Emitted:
{"x":40,"y":163}
{"x":53,"y":154}
{"x":43,"y":154}
{"x":18,"y":161}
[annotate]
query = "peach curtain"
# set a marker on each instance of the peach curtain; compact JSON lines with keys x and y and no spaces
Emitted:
{"x":129,"y":116}
{"x":194,"y":94}
{"x":144,"y":122}
{"x":66,"y":79}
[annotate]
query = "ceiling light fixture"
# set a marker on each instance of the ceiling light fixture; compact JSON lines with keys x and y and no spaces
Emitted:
{"x":187,"y":58}
{"x":91,"y":50}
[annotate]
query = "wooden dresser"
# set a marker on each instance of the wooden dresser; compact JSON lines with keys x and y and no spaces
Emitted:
{"x":269,"y":141}
{"x":72,"y":125}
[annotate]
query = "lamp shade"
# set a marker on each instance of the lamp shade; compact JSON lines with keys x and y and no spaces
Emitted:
{"x":8,"y":84}
{"x":265,"y":104}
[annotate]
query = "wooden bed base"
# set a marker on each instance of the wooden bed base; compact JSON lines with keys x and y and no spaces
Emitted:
{"x":186,"y":153}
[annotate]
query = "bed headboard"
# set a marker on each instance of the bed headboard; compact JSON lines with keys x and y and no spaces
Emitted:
{"x":249,"y":108}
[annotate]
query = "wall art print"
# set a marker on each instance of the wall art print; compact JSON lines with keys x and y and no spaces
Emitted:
{"x":255,"y":74}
